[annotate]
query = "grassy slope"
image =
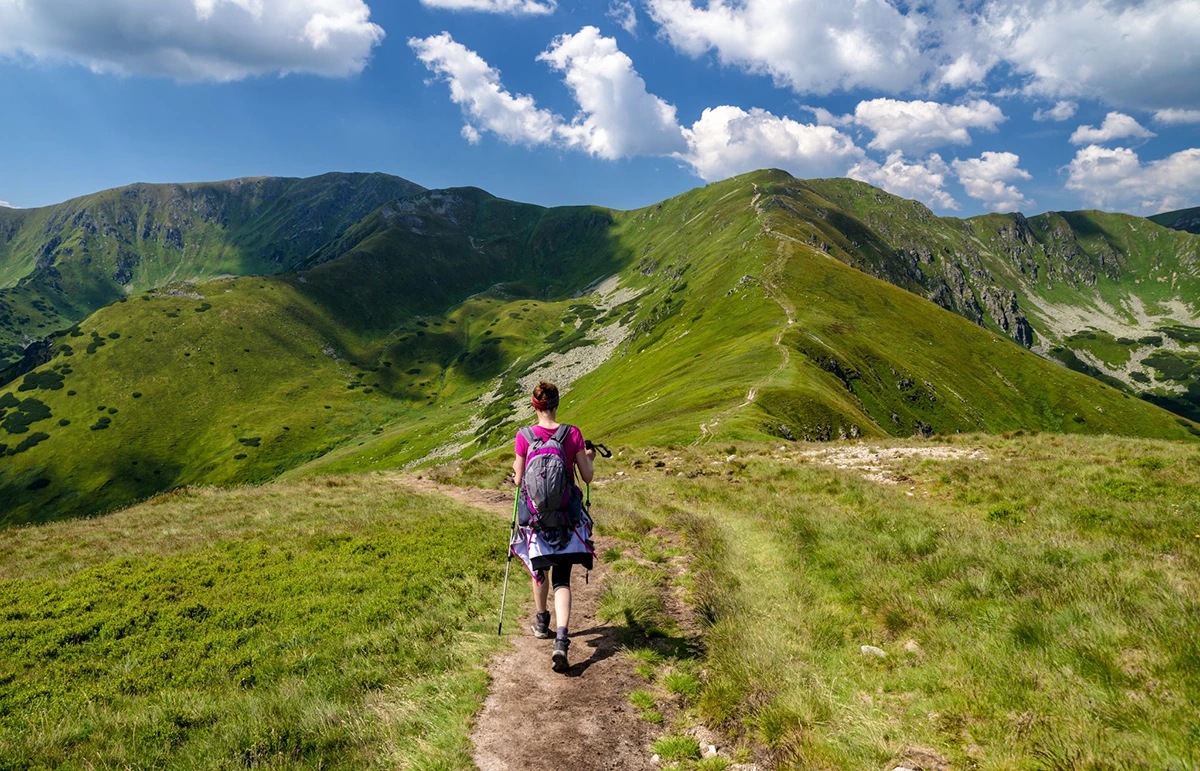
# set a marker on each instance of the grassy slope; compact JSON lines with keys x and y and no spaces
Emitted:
{"x":60,"y":263}
{"x":330,"y":623}
{"x":1114,"y":277}
{"x":1048,"y":583}
{"x":1183,"y":219}
{"x":260,"y":375}
{"x":1035,"y":597}
{"x":344,"y":367}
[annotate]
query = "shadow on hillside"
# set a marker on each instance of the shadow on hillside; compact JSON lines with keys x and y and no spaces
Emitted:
{"x":44,"y":494}
{"x":429,"y":257}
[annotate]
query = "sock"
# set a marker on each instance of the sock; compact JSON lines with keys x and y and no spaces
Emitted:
{"x":543,"y":617}
{"x":562,"y":633}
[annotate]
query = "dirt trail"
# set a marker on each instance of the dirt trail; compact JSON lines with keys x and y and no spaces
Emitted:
{"x":772,"y":290}
{"x":534,"y":718}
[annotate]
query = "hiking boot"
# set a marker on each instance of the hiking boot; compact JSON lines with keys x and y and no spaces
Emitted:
{"x":558,"y":659}
{"x":541,"y":626}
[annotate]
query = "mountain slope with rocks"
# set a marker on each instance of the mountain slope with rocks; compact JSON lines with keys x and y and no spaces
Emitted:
{"x":725,"y":313}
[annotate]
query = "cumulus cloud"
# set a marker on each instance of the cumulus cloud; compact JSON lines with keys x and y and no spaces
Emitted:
{"x":1063,"y":110}
{"x":1133,"y":54}
{"x":810,"y":46}
{"x":1175,"y":117}
{"x":1117,"y":178}
{"x":512,"y":7}
{"x":987,"y":179}
{"x":924,"y":181}
{"x":476,"y":88}
{"x":918,"y":126}
{"x":7,"y":205}
{"x":1128,"y":53}
{"x":617,"y":117}
{"x":1116,"y":125}
{"x":193,"y":40}
{"x":624,"y":15}
{"x":729,"y":140}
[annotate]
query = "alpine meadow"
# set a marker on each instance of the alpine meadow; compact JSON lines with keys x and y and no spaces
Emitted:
{"x":888,"y":489}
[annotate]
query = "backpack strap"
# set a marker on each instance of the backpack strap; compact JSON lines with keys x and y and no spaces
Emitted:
{"x":530,"y":438}
{"x":560,"y":434}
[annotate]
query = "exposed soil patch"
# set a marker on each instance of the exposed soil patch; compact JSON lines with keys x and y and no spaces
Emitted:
{"x":876,"y":463}
{"x":535,"y":718}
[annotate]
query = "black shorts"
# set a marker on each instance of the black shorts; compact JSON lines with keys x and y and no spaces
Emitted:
{"x":560,"y":576}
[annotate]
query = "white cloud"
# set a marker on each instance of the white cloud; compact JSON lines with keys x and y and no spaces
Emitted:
{"x":1129,"y":53}
{"x":618,"y":117}
{"x":623,"y":13}
{"x":1174,"y":117}
{"x":1117,"y":178}
{"x":485,"y":103}
{"x":1133,"y":54}
{"x":987,"y":179}
{"x":810,"y":46}
{"x":1063,"y":110}
{"x":826,"y":118}
{"x":729,"y":140}
{"x":1116,"y":125}
{"x":192,"y":40}
{"x":7,"y":205}
{"x":923,"y":181}
{"x":511,"y":7}
{"x":918,"y":126}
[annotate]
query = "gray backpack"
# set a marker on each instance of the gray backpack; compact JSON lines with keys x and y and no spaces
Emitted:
{"x":547,"y":481}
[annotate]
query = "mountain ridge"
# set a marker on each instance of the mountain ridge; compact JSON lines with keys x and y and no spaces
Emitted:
{"x":413,"y":337}
{"x":62,"y":262}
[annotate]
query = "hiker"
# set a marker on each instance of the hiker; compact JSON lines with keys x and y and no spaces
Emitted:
{"x":554,"y":532}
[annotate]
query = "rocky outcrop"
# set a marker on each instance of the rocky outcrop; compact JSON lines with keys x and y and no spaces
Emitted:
{"x":1001,"y":306}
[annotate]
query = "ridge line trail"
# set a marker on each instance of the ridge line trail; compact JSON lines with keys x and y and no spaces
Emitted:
{"x":535,"y":718}
{"x":771,"y":290}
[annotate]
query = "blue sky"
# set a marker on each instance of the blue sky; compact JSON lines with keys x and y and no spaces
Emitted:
{"x":968,"y":106}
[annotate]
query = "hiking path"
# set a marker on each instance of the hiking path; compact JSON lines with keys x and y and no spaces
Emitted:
{"x":536,"y":718}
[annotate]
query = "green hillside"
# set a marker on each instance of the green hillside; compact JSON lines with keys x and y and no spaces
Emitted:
{"x":417,"y":334}
{"x":1183,"y":219}
{"x":60,"y":263}
{"x":1030,"y":602}
{"x":1109,"y":295}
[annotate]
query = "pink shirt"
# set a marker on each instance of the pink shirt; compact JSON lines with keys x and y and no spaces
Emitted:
{"x":571,"y":446}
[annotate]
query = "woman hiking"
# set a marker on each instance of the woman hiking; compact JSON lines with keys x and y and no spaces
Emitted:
{"x":554,"y":531}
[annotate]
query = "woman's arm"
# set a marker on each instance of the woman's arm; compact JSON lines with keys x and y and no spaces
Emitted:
{"x":519,"y":471}
{"x":583,"y":461}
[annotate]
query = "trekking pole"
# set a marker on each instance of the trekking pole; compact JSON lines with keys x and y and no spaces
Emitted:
{"x":512,"y":529}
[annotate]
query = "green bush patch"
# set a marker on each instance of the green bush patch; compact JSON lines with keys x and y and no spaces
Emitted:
{"x":1181,"y":333}
{"x":1172,"y":365}
{"x":101,"y":424}
{"x":252,"y":441}
{"x":27,"y":412}
{"x":28,"y":442}
{"x":46,"y":380}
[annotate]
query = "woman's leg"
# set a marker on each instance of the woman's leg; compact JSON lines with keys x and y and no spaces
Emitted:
{"x":562,"y":597}
{"x":541,"y":593}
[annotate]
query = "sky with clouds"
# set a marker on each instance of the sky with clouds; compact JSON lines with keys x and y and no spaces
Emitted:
{"x":967,"y":105}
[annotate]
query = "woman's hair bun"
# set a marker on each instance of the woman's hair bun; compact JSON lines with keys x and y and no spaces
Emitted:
{"x":546,"y":393}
